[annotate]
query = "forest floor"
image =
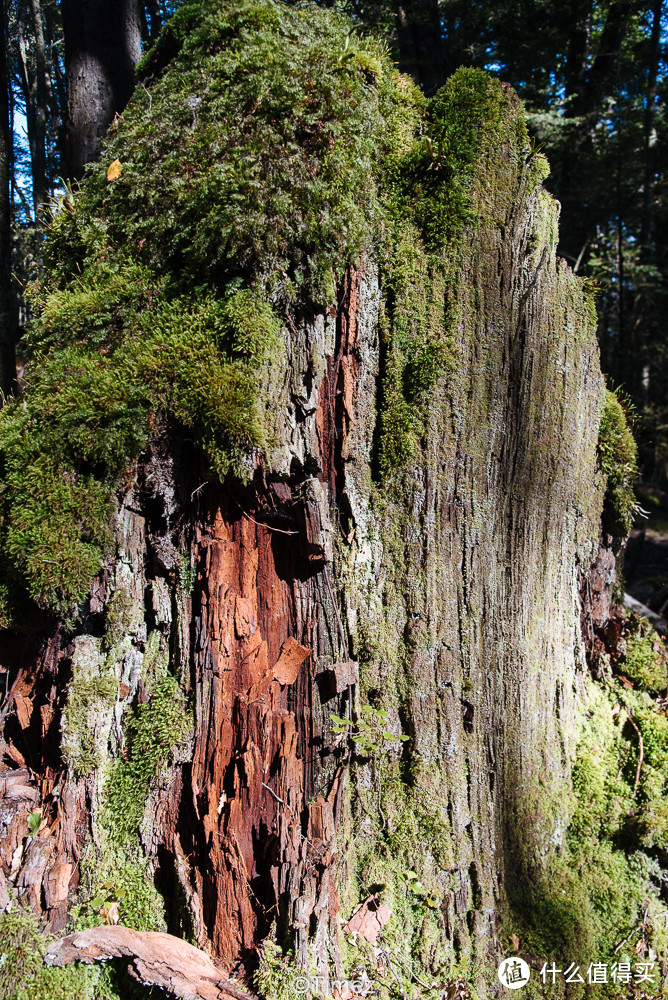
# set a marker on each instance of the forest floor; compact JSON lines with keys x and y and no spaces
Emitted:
{"x":646,"y":558}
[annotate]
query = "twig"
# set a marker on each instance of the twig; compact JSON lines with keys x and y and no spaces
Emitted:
{"x":286,"y":806}
{"x":10,"y":697}
{"x":336,"y":611}
{"x":623,"y":942}
{"x":644,"y":927}
{"x":274,"y":795}
{"x":407,"y":965}
{"x":389,"y":962}
{"x":263,"y":524}
{"x":642,"y":752}
{"x":148,"y":94}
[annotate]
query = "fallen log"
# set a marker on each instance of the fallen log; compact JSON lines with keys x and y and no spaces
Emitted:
{"x":659,"y":623}
{"x":155,"y":959}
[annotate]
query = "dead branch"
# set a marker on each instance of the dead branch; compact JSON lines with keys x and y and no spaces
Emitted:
{"x":156,"y":960}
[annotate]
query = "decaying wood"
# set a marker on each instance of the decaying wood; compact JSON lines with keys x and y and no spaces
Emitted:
{"x":473,"y":591}
{"x":368,"y":919}
{"x":155,"y":959}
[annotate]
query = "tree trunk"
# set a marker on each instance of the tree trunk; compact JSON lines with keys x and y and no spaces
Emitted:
{"x":7,"y":305}
{"x":452,"y":599}
{"x":102,"y":48}
{"x":649,"y":168}
{"x":586,"y":103}
{"x":38,"y":144}
{"x":421,"y":49}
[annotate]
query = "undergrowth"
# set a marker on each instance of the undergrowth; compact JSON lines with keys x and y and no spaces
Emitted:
{"x":600,"y":898}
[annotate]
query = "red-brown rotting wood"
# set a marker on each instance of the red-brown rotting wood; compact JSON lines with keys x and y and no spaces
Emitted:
{"x":260,"y":628}
{"x":335,"y":413}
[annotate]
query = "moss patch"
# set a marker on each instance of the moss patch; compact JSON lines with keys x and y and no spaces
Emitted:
{"x":90,"y":699}
{"x":618,"y":460}
{"x":588,"y":902}
{"x":645,"y":658}
{"x":266,"y":147}
{"x":23,"y":974}
{"x":152,"y":732}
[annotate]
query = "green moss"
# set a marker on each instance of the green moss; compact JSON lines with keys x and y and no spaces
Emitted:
{"x":121,"y":615}
{"x":90,"y":698}
{"x":267,"y":146}
{"x":23,"y":974}
{"x":400,"y":846}
{"x":152,"y":732}
{"x":87,"y":697}
{"x":276,"y":973}
{"x":591,"y":893}
{"x":644,"y":662}
{"x":259,"y":169}
{"x":242,"y":183}
{"x":124,"y":878}
{"x":618,"y":460}
{"x":428,"y":180}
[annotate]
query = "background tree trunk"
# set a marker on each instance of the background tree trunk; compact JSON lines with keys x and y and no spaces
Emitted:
{"x":7,"y":304}
{"x":102,"y":48}
{"x":421,"y":50}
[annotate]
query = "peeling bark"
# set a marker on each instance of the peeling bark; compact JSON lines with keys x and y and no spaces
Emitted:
{"x":156,"y":960}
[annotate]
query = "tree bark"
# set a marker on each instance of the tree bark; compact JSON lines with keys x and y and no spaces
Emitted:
{"x":38,"y":145}
{"x":456,"y":591}
{"x":421,"y":49}
{"x":7,"y":304}
{"x":102,"y":48}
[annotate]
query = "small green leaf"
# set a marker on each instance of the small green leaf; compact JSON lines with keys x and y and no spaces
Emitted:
{"x":387,"y":735}
{"x":34,"y":820}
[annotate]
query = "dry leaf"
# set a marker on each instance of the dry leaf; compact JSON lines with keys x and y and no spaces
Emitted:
{"x":514,"y":942}
{"x":109,"y":913}
{"x":114,"y":170}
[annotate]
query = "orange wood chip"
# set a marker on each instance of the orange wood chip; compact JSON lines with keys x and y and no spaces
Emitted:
{"x":368,"y":919}
{"x":292,"y":656}
{"x":23,"y":710}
